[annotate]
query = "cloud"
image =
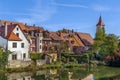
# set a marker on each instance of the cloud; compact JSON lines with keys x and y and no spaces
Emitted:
{"x":14,"y":14}
{"x":101,"y":8}
{"x":42,"y":11}
{"x":70,"y":5}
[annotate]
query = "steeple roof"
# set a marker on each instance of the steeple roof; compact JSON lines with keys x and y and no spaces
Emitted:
{"x":100,"y":22}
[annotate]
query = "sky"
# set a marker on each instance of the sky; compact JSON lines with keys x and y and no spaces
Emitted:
{"x":53,"y":15}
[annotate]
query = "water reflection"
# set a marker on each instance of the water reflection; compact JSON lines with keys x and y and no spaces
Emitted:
{"x":52,"y":74}
{"x":64,"y":74}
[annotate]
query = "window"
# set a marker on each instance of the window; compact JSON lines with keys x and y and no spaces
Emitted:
{"x":14,"y":45}
{"x":17,"y":29}
{"x":14,"y":57}
{"x":72,"y":42}
{"x":33,"y":41}
{"x":33,"y":48}
{"x":17,"y":34}
{"x":24,"y":55}
{"x":40,"y":46}
{"x":40,"y":35}
{"x":40,"y":41}
{"x":22,"y":45}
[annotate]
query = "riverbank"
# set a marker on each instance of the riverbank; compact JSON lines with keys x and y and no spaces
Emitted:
{"x":46,"y":66}
{"x":99,"y":73}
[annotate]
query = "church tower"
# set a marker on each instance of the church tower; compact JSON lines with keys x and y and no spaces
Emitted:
{"x":100,"y":30}
{"x":100,"y":23}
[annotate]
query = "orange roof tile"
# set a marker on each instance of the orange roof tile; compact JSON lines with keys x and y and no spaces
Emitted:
{"x":78,"y":40}
{"x":86,"y":38}
{"x":54,"y":36}
{"x":22,"y":26}
{"x":13,"y":37}
{"x":63,"y":36}
{"x":34,"y":28}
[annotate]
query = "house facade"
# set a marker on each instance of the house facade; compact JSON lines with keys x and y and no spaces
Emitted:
{"x":22,"y":39}
{"x":14,"y":41}
{"x":35,"y":37}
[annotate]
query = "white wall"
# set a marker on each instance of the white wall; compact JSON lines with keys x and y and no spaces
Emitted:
{"x":19,"y":50}
{"x":39,"y":38}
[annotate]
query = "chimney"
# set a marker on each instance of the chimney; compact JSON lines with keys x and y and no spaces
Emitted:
{"x":11,"y":24}
{"x":34,"y":25}
{"x":25,"y":24}
{"x":0,"y":23}
{"x":72,"y":31}
{"x":6,"y":29}
{"x":60,"y":34}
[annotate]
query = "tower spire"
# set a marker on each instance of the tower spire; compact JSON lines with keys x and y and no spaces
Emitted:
{"x":100,"y":23}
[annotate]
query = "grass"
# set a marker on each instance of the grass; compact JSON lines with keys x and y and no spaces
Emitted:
{"x":106,"y":73}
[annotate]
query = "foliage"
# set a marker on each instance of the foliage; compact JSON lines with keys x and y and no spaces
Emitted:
{"x":63,"y":75}
{"x":3,"y":77}
{"x":63,"y":47}
{"x":99,"y":39}
{"x":3,"y":59}
{"x":35,"y":56}
{"x":105,"y":45}
{"x":110,"y":46}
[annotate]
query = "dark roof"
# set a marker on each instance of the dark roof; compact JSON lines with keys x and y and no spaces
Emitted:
{"x":100,"y":22}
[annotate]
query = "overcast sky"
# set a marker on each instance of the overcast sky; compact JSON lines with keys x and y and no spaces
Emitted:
{"x":80,"y":15}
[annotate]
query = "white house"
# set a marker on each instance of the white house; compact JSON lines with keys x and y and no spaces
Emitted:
{"x":13,"y":37}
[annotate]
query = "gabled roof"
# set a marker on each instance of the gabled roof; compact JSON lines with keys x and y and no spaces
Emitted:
{"x":10,"y":29}
{"x":100,"y":22}
{"x":34,"y":28}
{"x":22,"y":26}
{"x":13,"y":37}
{"x":54,"y":36}
{"x":86,"y":38}
{"x":10,"y":35}
{"x":78,"y":40}
{"x":64,"y":36}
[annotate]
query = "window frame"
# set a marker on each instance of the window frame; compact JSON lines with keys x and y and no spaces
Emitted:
{"x":14,"y":45}
{"x":14,"y":57}
{"x":22,"y":45}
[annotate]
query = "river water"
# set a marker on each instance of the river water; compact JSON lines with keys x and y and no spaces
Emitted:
{"x":100,"y":73}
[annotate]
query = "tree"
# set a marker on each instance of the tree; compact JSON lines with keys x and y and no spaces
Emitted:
{"x":62,"y":47}
{"x":34,"y":57}
{"x":3,"y":58}
{"x":111,"y":43}
{"x":99,"y":39}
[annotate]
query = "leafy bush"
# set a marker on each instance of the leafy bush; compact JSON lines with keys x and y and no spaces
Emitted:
{"x":35,"y":55}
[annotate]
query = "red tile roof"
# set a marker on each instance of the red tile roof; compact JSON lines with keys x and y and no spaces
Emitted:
{"x":47,"y":39}
{"x":22,"y":26}
{"x":13,"y":37}
{"x":86,"y":38}
{"x":10,"y":35}
{"x":34,"y":28}
{"x":64,"y":36}
{"x":78,"y":40}
{"x":54,"y":36}
{"x":100,"y":22}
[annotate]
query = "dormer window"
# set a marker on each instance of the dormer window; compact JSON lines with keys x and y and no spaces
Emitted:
{"x":17,"y":29}
{"x":72,"y":42}
{"x":17,"y":34}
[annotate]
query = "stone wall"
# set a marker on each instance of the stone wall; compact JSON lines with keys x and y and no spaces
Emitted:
{"x":41,"y":62}
{"x":18,"y":63}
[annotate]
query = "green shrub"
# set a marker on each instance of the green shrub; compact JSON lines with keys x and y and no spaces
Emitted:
{"x":35,"y":55}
